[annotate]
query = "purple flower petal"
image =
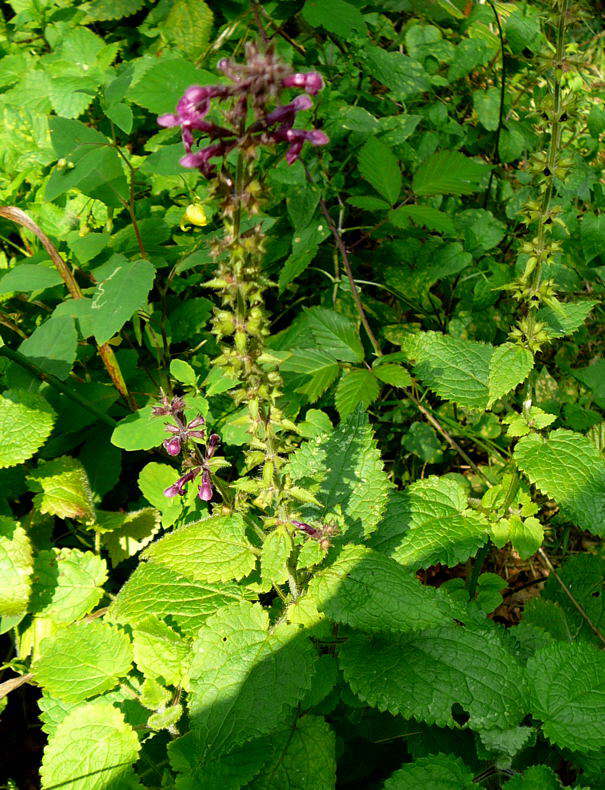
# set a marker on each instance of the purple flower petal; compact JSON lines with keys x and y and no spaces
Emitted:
{"x":172,"y":445}
{"x":205,"y":491}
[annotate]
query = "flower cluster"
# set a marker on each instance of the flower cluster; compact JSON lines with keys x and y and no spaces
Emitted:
{"x":322,"y":533}
{"x":180,"y":440}
{"x":255,"y":85}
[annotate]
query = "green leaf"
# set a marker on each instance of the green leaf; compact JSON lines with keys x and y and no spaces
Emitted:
{"x":276,"y":550}
{"x":366,"y":590}
{"x":159,"y":652}
{"x":28,"y":277}
{"x":437,"y":772}
{"x":83,"y":660}
{"x":536,"y":777}
{"x":244,"y":673}
{"x":422,"y":440}
{"x":183,"y":372}
{"x":161,"y":86}
{"x":64,"y":489}
{"x":592,"y":235}
{"x":140,"y":431}
{"x":487,"y":107}
{"x":403,"y":75}
{"x":335,"y":334}
{"x":449,"y":173}
{"x":567,"y":694}
{"x":53,"y":346}
{"x":421,"y":675}
{"x":344,"y":471}
{"x":153,"y":479}
{"x":16,"y":567}
{"x":454,"y":369}
{"x":119,"y":296}
{"x":93,"y":748}
{"x":188,"y":26}
{"x":526,"y":535}
{"x":429,"y":523}
{"x":379,"y":166}
{"x":302,"y":758}
{"x":395,"y":375}
{"x":26,"y":421}
{"x":164,"y":592}
{"x":509,"y":366}
{"x":68,"y":584}
{"x":357,"y":387}
{"x":213,"y":550}
{"x":340,"y":18}
{"x":425,"y":216}
{"x":567,"y":467}
{"x":564,"y":318}
{"x":125,"y":534}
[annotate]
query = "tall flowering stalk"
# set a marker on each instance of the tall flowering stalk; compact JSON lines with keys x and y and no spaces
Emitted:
{"x":250,"y":115}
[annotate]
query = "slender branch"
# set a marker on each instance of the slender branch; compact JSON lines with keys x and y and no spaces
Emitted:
{"x":347,"y":264}
{"x":546,"y":561}
{"x":496,"y":154}
{"x":14,"y":683}
{"x":19,"y":217}
{"x":55,"y":383}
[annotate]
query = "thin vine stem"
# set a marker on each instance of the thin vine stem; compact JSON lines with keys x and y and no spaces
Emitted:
{"x":496,"y":154}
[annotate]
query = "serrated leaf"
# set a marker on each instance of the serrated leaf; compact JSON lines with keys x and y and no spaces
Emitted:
{"x":437,"y":772}
{"x":429,"y":523}
{"x":344,"y":471}
{"x":164,"y":592}
{"x":366,"y":590}
{"x":140,"y":431}
{"x":83,"y":660}
{"x":275,"y":553}
{"x":568,"y":468}
{"x":509,"y":366}
{"x":65,"y":490}
{"x":564,"y":318}
{"x":68,"y":584}
{"x":379,"y":166}
{"x":425,"y":216}
{"x":27,"y":277}
{"x":567,"y":694}
{"x":159,"y":652}
{"x":449,"y":173}
{"x":213,"y":550}
{"x":536,"y":777}
{"x":422,"y":675}
{"x":119,"y":296}
{"x":245,"y":674}
{"x":395,"y":375}
{"x":26,"y":421}
{"x":584,"y":574}
{"x":357,"y":387}
{"x":16,"y":567}
{"x":162,"y":85}
{"x":302,"y":758}
{"x":188,"y":26}
{"x":335,"y":334}
{"x":341,"y":18}
{"x":125,"y":534}
{"x":403,"y":75}
{"x":93,"y":748}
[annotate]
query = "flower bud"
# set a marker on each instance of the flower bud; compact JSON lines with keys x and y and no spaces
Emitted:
{"x":172,"y":445}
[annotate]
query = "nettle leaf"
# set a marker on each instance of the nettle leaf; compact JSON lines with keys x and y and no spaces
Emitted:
{"x":469,"y":373}
{"x":403,"y":75}
{"x":358,"y":387}
{"x":437,"y":772}
{"x":140,"y":431}
{"x":106,"y":10}
{"x":430,"y":523}
{"x":244,"y":673}
{"x":584,"y":574}
{"x":449,"y":173}
{"x":344,"y":471}
{"x":65,"y":490}
{"x":93,"y":748}
{"x":567,"y":467}
{"x":379,"y":166}
{"x":160,"y":87}
{"x":302,"y":756}
{"x":159,"y":652}
{"x":83,"y":660}
{"x":188,"y":26}
{"x":341,"y":18}
{"x":213,"y":550}
{"x":125,"y":534}
{"x":68,"y":584}
{"x":422,"y":675}
{"x":335,"y":334}
{"x":119,"y":296}
{"x":53,"y":346}
{"x":567,"y":693}
{"x":366,"y":590}
{"x":536,"y":777}
{"x":16,"y":568}
{"x":165,"y":592}
{"x":26,"y":421}
{"x":277,"y":547}
{"x":508,"y":366}
{"x":564,"y":318}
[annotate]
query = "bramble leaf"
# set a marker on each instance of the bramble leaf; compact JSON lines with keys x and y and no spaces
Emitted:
{"x":357,"y":387}
{"x":449,"y":173}
{"x":379,"y":166}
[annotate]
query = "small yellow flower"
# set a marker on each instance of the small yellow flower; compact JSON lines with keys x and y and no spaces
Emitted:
{"x":194,"y":215}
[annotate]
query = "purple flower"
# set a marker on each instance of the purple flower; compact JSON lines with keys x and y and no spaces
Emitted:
{"x":311,"y":81}
{"x":296,"y":138}
{"x":286,"y":113}
{"x":191,"y":111}
{"x":172,"y":445}
{"x":201,"y":159}
{"x":168,"y":407}
{"x":213,"y":443}
{"x":204,"y":491}
{"x":315,"y":533}
{"x":178,"y":488}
